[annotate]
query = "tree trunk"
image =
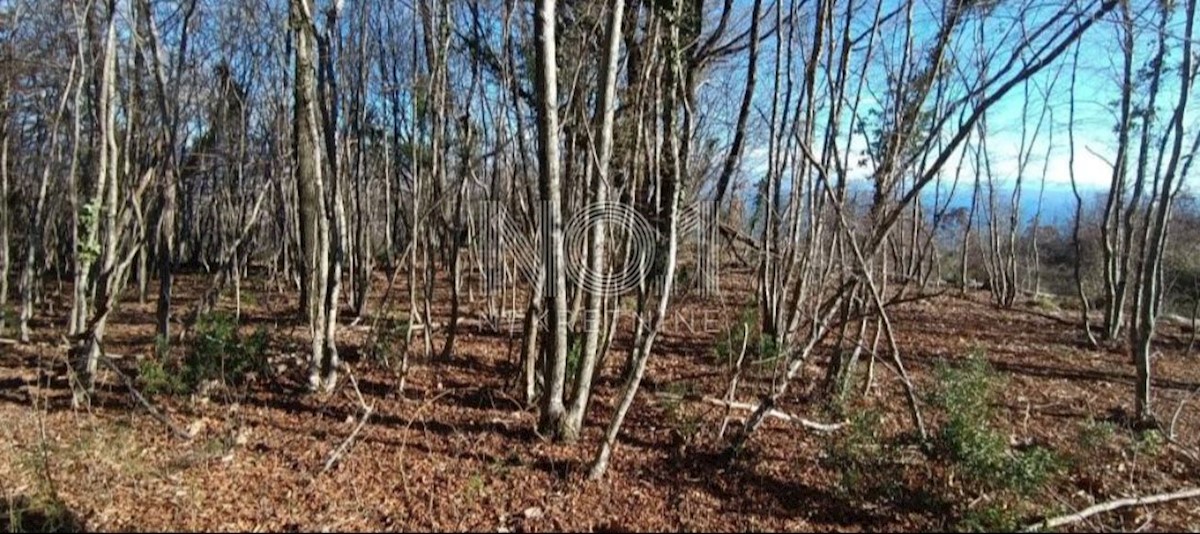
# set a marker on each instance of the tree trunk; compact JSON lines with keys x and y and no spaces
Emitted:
{"x":100,"y":241}
{"x":1150,"y":284}
{"x":670,"y":218}
{"x":5,"y":258}
{"x":596,"y":294}
{"x":315,"y":270}
{"x":1085,"y":304}
{"x":1116,"y":270}
{"x":550,"y":187}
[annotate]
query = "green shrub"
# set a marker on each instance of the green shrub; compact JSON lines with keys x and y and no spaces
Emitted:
{"x":1148,"y":443}
{"x":968,"y":439}
{"x":685,"y":425}
{"x":155,"y":379}
{"x":219,"y":352}
{"x":1029,"y":470}
{"x":684,"y":276}
{"x":857,"y":453}
{"x":1094,"y":434}
{"x":761,"y":350}
{"x":390,"y":343}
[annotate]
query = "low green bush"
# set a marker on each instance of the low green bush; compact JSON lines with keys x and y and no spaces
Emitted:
{"x":219,"y":352}
{"x":973,"y":445}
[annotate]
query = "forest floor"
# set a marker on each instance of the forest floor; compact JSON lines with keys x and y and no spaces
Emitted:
{"x":457,"y":450}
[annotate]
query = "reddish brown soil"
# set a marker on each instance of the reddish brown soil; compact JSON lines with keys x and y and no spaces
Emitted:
{"x":456,"y":451}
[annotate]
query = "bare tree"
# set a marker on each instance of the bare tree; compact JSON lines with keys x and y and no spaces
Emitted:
{"x":597,"y":258}
{"x":1077,"y":220}
{"x":550,"y":188}
{"x":1154,"y":240}
{"x":316,"y":238}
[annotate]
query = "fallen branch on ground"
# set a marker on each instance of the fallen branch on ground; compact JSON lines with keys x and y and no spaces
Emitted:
{"x":141,"y":399}
{"x":1112,"y":505}
{"x":362,"y":421}
{"x":784,"y":416}
{"x":777,"y":414}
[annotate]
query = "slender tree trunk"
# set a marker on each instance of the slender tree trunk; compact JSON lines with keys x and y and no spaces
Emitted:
{"x":35,"y":231}
{"x":5,"y":216}
{"x":1077,"y":223}
{"x":1116,"y":272}
{"x":550,"y":186}
{"x":596,"y":294}
{"x":966,"y":239}
{"x":670,"y":211}
{"x":1150,"y":283}
{"x":101,"y":234}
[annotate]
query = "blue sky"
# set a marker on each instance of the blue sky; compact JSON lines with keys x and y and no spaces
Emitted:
{"x":1098,"y":86}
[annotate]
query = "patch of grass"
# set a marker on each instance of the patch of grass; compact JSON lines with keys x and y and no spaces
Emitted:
{"x":249,"y":298}
{"x":475,"y":488}
{"x":41,"y":510}
{"x":1093,"y":434}
{"x":1045,"y":303}
{"x":991,"y":517}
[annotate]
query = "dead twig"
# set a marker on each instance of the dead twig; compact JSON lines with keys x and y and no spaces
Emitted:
{"x":1178,"y":410}
{"x":179,"y":432}
{"x":1110,"y":506}
{"x":777,"y":414}
{"x":733,"y":381}
{"x":362,"y":421}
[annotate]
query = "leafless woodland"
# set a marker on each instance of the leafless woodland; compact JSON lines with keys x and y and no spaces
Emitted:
{"x":251,"y":273}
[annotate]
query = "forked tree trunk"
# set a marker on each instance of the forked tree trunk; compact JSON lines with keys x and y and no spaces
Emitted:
{"x":101,"y":233}
{"x":315,"y":240}
{"x":1115,"y":270}
{"x":1150,"y":278}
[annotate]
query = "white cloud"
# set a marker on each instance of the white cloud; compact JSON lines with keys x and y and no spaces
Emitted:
{"x":1091,"y":170}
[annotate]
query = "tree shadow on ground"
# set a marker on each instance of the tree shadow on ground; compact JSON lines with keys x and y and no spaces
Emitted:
{"x":21,"y":514}
{"x":744,"y":488}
